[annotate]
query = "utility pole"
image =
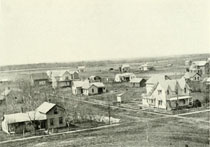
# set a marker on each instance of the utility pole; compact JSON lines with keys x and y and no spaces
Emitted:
{"x":177,"y":93}
{"x":109,"y":107}
{"x":109,"y":111}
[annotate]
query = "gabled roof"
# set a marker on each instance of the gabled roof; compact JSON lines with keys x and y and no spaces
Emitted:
{"x":125,"y":66}
{"x":97,"y":84}
{"x":81,"y":67}
{"x":72,"y":72}
{"x":173,"y":83}
{"x":200,"y":63}
{"x":157,"y":78}
{"x":39,"y":76}
{"x":136,"y":80}
{"x":94,"y":76}
{"x":146,"y":65}
{"x":45,"y":107}
{"x":189,"y":75}
{"x":80,"y":83}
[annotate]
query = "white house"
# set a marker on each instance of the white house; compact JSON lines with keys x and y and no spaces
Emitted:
{"x":81,"y":68}
{"x":46,"y":116}
{"x":77,"y":87}
{"x":146,"y":67}
{"x":124,"y":77}
{"x":94,"y":88}
{"x":168,"y":95}
{"x":63,"y":78}
{"x":125,"y":68}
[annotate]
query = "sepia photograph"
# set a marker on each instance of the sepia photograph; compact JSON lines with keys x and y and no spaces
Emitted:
{"x":104,"y":73}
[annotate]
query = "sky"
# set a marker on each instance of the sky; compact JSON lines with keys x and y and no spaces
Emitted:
{"x":37,"y":31}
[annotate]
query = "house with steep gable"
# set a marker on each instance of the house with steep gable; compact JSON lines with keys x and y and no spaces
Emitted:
{"x":46,"y":116}
{"x":168,"y":95}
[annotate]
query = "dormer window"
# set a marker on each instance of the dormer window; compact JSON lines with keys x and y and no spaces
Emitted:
{"x":159,"y":92}
{"x":185,"y":90}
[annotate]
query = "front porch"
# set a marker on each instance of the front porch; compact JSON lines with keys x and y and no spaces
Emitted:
{"x":180,"y":101}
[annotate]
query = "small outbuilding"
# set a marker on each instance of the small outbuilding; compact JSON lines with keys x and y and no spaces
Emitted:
{"x":95,"y":79}
{"x":146,"y":67}
{"x":124,"y":77}
{"x":138,"y":82}
{"x":125,"y":68}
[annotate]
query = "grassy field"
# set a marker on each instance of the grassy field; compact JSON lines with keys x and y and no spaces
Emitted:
{"x":160,"y":132}
{"x":203,"y":116}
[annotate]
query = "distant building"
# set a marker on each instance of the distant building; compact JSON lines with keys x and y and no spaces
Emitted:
{"x":94,"y":88}
{"x":81,"y":68}
{"x":74,"y":75}
{"x":87,"y":88}
{"x":95,"y":79}
{"x":168,"y":94}
{"x":39,"y":79}
{"x":77,"y":87}
{"x":125,"y":68}
{"x":146,"y":67}
{"x":5,"y":80}
{"x":200,"y":67}
{"x":46,"y":116}
{"x":62,"y":79}
{"x":188,"y":62}
{"x":138,"y":82}
{"x":192,"y":76}
{"x":11,"y":95}
{"x":124,"y":77}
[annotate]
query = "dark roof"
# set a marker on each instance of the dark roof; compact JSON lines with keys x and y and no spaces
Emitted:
{"x":39,"y":76}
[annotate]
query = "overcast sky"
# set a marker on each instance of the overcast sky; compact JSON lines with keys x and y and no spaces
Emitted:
{"x":33,"y":31}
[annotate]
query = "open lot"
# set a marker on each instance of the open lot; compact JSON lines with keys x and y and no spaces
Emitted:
{"x":156,"y":132}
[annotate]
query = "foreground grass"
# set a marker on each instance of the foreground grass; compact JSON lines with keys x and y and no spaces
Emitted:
{"x":157,"y":132}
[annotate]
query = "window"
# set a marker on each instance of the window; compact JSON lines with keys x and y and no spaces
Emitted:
{"x":185,"y":90}
{"x":184,"y":101}
{"x":92,"y":90}
{"x":167,"y":92}
{"x":60,"y":120}
{"x":51,"y":121}
{"x":159,"y":92}
{"x":55,"y":110}
{"x":160,"y":102}
{"x":42,"y":82}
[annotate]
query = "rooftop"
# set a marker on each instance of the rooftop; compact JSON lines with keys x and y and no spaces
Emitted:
{"x":136,"y":80}
{"x":39,"y":76}
{"x":45,"y":107}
